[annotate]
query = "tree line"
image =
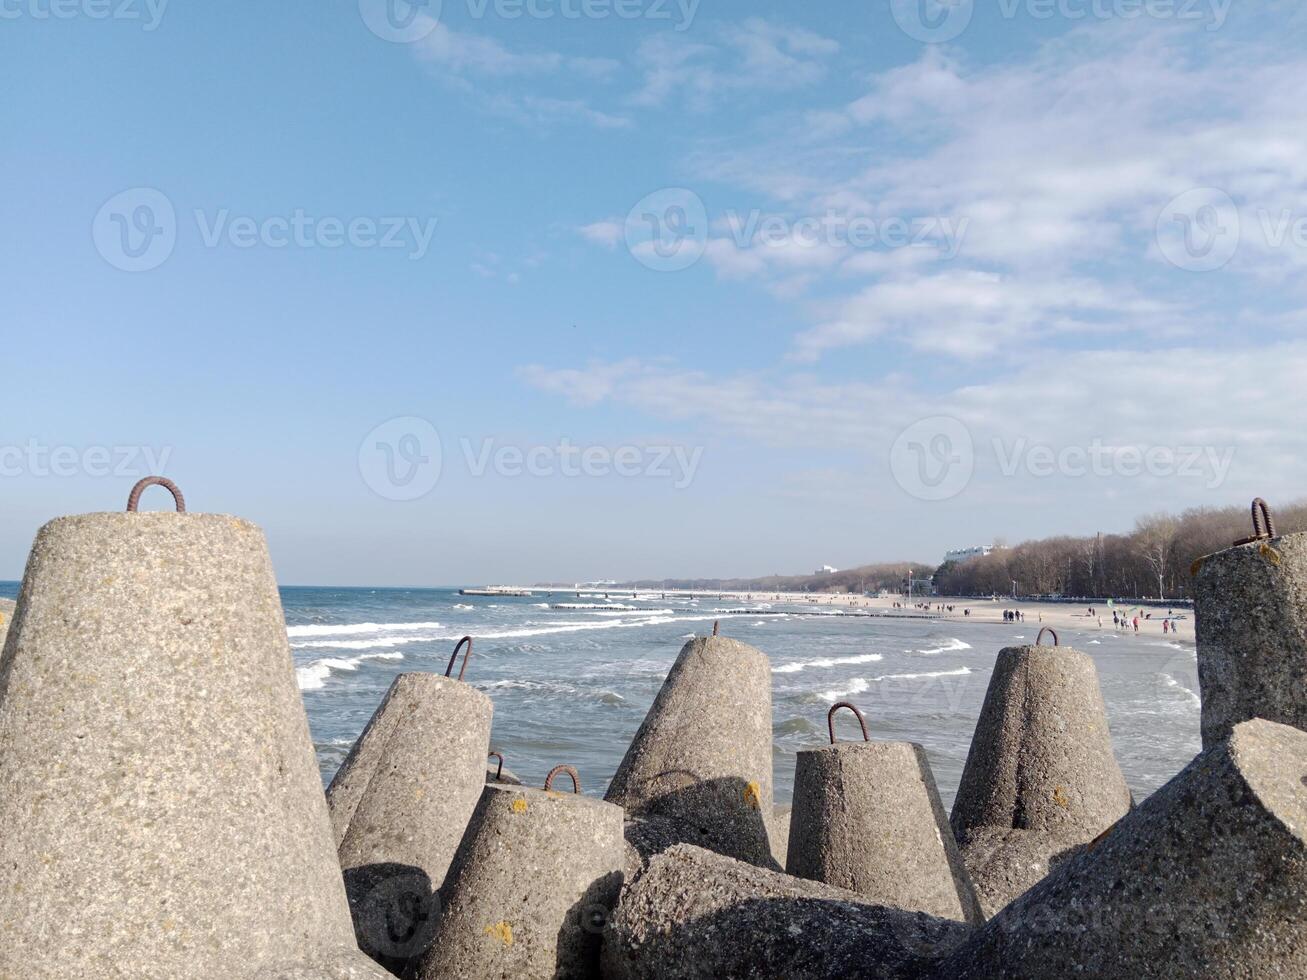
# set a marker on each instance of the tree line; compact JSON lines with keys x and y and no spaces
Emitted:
{"x":1152,"y":561}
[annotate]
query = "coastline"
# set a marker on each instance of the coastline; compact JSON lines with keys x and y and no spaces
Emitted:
{"x":1037,"y":613}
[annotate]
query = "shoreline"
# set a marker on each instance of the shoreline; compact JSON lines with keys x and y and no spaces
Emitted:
{"x":1058,"y":615}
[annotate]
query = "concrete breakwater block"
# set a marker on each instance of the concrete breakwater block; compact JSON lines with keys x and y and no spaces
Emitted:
{"x":867,"y":817}
{"x":425,"y":750}
{"x":697,"y":914}
{"x":703,"y":756}
{"x":1041,"y":761}
{"x":1207,"y":878}
{"x":496,"y":772}
{"x":162,"y":811}
{"x":534,"y":880}
{"x":1250,"y":611}
{"x":780,"y":834}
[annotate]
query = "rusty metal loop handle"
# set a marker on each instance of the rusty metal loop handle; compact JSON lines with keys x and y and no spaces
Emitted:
{"x":134,"y":499}
{"x":830,"y":719}
{"x":576,"y":779}
{"x":1263,"y":524}
{"x":500,"y":756}
{"x":1040,"y":638}
{"x":462,"y":670}
{"x":716,"y":626}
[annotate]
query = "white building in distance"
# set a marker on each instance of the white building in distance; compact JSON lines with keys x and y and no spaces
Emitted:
{"x":826,"y":570}
{"x":962,"y":554}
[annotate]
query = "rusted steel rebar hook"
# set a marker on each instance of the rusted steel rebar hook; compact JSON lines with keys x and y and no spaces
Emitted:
{"x":462,"y":670}
{"x":830,"y":720}
{"x":1039,"y":640}
{"x":1263,"y":523}
{"x":500,"y":756}
{"x":134,"y":499}
{"x":576,"y":779}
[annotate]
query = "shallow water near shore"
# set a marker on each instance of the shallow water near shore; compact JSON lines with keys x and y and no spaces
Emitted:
{"x":573,"y":684}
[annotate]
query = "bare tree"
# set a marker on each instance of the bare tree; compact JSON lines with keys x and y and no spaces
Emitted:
{"x":1155,"y":540}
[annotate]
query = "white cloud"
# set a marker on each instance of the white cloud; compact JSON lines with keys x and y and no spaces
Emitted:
{"x":753,"y":56}
{"x":609,"y":234}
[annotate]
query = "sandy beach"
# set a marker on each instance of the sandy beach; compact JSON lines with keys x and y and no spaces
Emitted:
{"x":1057,"y":615}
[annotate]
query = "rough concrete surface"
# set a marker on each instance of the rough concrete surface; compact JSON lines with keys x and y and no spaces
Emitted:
{"x":1250,"y":612}
{"x":703,"y":756}
{"x":162,"y":811}
{"x":867,"y":817}
{"x":409,"y":818}
{"x":1207,"y":878}
{"x":697,"y":914}
{"x":1041,"y":760}
{"x":536,"y":877}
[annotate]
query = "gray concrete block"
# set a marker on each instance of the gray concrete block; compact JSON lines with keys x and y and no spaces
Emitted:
{"x":780,"y":833}
{"x":408,"y":820}
{"x":497,"y":772}
{"x":867,"y":817}
{"x":536,"y":877}
{"x":1250,"y":610}
{"x":697,"y":914}
{"x":1206,"y":878}
{"x":162,"y":811}
{"x":344,"y":965}
{"x":1041,"y":760}
{"x":703,"y":756}
{"x":1005,"y":863}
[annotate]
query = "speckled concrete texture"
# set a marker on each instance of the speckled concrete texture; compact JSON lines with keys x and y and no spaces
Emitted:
{"x":1005,"y":863}
{"x":1250,"y":611}
{"x":867,"y":817}
{"x":703,"y":756}
{"x":408,"y":820}
{"x":697,"y":914}
{"x":1207,"y":878}
{"x":343,"y":965}
{"x":1041,"y":760}
{"x":780,"y":834}
{"x":162,"y":811}
{"x":505,"y":776}
{"x":534,"y":881}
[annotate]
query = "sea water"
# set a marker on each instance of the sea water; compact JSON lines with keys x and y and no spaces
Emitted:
{"x":571,"y":678}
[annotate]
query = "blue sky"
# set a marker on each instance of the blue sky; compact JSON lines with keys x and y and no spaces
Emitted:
{"x":924,"y":276}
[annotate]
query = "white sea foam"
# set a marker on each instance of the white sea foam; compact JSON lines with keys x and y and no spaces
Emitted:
{"x":360,"y":629}
{"x":463,"y":605}
{"x":951,"y":645}
{"x":1172,"y":681}
{"x":313,"y":676}
{"x":797,"y":665}
{"x":929,"y":674}
{"x":385,"y":641}
{"x":857,"y":686}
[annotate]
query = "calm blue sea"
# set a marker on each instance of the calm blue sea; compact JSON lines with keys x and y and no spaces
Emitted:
{"x":572,"y":685}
